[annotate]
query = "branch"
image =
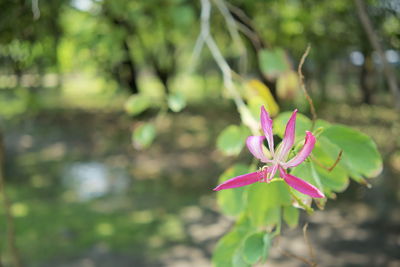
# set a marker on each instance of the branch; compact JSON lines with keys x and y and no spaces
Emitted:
{"x":205,"y":18}
{"x":241,"y":14}
{"x":206,"y":38}
{"x":374,"y":40}
{"x":303,"y":87}
{"x":233,"y":30}
{"x":253,"y":37}
{"x":35,"y":9}
{"x":245,"y":25}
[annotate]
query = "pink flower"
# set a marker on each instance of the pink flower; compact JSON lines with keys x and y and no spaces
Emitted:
{"x":278,"y":160}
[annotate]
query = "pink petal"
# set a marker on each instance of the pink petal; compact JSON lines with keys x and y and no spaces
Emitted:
{"x":266,"y":124}
{"x":288,"y":139}
{"x":255,"y":146}
{"x":242,"y":180}
{"x":272,"y":170}
{"x":300,"y":185}
{"x":303,"y":153}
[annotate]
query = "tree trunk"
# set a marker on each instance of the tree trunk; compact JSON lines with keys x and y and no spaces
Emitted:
{"x":126,"y":70}
{"x":163,"y":76}
{"x":165,"y":67}
{"x":129,"y":69}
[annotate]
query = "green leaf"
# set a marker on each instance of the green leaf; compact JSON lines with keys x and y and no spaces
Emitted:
{"x":136,"y":104}
{"x":325,"y":154}
{"x":272,"y":215}
{"x":253,"y":247}
{"x":322,"y":124}
{"x":228,"y":250}
{"x":273,"y":62}
{"x":264,"y":201}
{"x":182,"y":15}
{"x":237,"y":259}
{"x":259,"y":94}
{"x":288,"y":85}
{"x":291,"y":216}
{"x":360,"y":154}
{"x":176,"y":102}
{"x":231,"y":201}
{"x":231,"y":140}
{"x":305,"y":172}
{"x":336,"y":180}
{"x":143,"y":135}
{"x":267,"y":245}
{"x":303,"y":124}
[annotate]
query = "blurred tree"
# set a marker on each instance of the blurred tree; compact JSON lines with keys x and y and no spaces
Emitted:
{"x":29,"y":48}
{"x":331,"y":27}
{"x":124,"y":38}
{"x":151,"y":34}
{"x":373,"y":38}
{"x":28,"y":44}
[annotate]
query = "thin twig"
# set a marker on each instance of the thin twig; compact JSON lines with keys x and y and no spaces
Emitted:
{"x":297,"y":257}
{"x":7,"y":207}
{"x":240,"y":13}
{"x":247,"y":26}
{"x":303,"y":87}
{"x":329,"y":169}
{"x":204,"y":31}
{"x":233,"y":31}
{"x":230,"y":21}
{"x":205,"y":37}
{"x":339,"y":157}
{"x":292,"y":255}
{"x":250,"y":34}
{"x":35,"y":9}
{"x":310,"y":248}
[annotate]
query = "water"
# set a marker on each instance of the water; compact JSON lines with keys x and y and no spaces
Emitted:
{"x":90,"y":180}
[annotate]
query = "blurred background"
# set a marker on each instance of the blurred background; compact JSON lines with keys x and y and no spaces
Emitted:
{"x":109,"y":127}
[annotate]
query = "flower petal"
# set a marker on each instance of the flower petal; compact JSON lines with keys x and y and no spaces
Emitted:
{"x":242,"y":180}
{"x":272,"y":170}
{"x":255,"y":146}
{"x":300,"y":185}
{"x":303,"y":153}
{"x":266,"y":124}
{"x":288,"y":138}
